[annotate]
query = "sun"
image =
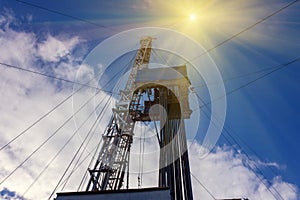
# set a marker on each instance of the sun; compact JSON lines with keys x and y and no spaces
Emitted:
{"x":192,"y":17}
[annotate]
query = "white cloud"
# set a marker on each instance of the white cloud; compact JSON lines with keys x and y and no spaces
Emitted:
{"x":23,"y":49}
{"x":17,"y":48}
{"x":25,"y":97}
{"x":7,"y":18}
{"x":225,"y":174}
{"x":54,"y":49}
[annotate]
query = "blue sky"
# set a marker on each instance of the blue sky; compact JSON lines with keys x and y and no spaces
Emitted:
{"x":263,"y":115}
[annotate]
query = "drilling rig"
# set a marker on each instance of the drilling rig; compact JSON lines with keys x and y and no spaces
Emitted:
{"x":165,"y":88}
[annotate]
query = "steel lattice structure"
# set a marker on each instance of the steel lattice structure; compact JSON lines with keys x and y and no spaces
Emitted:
{"x":112,"y":165}
{"x":113,"y":160}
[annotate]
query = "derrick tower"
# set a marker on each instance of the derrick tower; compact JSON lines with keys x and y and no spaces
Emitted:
{"x":167,"y":104}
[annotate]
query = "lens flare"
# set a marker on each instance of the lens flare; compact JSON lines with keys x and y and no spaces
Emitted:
{"x":210,"y":22}
{"x":192,"y":17}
